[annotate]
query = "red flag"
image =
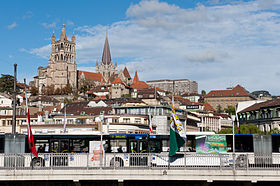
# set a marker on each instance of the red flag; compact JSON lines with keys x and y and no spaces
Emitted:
{"x":150,"y":123}
{"x":29,"y":131}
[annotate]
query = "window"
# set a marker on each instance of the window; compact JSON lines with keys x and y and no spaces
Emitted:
{"x":137,"y":120}
{"x":126,"y":120}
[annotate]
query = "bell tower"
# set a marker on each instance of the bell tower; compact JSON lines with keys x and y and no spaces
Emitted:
{"x":62,"y":69}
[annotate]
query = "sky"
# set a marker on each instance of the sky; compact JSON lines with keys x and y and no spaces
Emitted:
{"x":218,"y":43}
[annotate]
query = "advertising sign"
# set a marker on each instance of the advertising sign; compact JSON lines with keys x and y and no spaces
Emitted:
{"x":215,"y":144}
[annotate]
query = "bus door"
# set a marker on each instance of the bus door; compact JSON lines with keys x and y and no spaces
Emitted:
{"x":59,"y":146}
{"x":138,"y":148}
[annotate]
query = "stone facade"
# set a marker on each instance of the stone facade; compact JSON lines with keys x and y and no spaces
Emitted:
{"x":180,"y":86}
{"x":62,"y":68}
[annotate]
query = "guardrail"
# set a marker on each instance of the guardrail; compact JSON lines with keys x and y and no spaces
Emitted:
{"x":239,"y":161}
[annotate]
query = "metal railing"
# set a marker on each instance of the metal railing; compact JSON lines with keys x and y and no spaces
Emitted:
{"x":191,"y":161}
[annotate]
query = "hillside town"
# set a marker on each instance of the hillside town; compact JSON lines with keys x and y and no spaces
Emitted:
{"x":63,"y":99}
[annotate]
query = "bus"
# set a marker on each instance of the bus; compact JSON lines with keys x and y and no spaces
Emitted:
{"x":126,"y":150}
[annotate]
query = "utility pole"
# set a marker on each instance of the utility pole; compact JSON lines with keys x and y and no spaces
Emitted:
{"x":15,"y":100}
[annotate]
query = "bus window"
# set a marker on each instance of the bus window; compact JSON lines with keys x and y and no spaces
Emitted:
{"x":78,"y":145}
{"x":54,"y":146}
{"x":133,"y":146}
{"x":165,"y":145}
{"x":42,"y":146}
{"x":116,"y":144}
{"x":143,"y":146}
{"x":155,"y":146}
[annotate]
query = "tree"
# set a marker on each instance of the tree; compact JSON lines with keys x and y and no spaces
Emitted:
{"x":7,"y":84}
{"x":244,"y":129}
{"x":219,"y":109}
{"x":67,"y":89}
{"x":203,"y":92}
{"x":230,"y":110}
{"x":49,"y":90}
{"x":57,"y":91}
{"x":34,"y":91}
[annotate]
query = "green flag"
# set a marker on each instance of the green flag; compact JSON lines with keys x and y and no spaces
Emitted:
{"x":177,"y":134}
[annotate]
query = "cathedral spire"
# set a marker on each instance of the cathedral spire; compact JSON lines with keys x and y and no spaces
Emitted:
{"x":73,"y":38}
{"x":106,"y":56}
{"x":53,"y":38}
{"x":63,"y":33}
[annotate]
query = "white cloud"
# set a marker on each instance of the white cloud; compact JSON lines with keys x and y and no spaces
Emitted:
{"x":217,"y":45}
{"x":43,"y":52}
{"x":69,"y":23}
{"x":27,"y":15}
{"x":49,"y":25}
{"x":11,"y":26}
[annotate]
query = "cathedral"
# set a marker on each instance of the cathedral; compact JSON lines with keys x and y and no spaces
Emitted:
{"x":62,"y":69}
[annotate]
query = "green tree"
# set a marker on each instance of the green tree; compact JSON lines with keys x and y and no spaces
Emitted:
{"x":7,"y":83}
{"x":219,"y":109}
{"x":244,"y":129}
{"x":203,"y":92}
{"x":230,"y":110}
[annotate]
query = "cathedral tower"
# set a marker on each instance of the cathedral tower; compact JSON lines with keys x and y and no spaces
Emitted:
{"x":106,"y":67}
{"x":62,"y":69}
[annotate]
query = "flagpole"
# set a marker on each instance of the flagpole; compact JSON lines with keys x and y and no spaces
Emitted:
{"x":64,"y":127}
{"x":29,"y":133}
{"x":15,"y":100}
{"x":26,"y":114}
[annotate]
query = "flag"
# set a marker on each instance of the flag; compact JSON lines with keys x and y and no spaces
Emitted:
{"x":150,"y":122}
{"x":29,"y":131}
{"x":177,"y":136}
{"x":237,"y":122}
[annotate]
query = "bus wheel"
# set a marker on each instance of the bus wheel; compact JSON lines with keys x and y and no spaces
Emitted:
{"x":116,"y":162}
{"x":241,"y":161}
{"x":37,"y":162}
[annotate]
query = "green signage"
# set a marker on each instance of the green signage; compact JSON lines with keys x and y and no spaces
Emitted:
{"x":214,"y":144}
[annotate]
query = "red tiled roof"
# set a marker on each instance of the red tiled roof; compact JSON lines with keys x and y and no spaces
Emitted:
{"x":140,"y":85}
{"x":208,"y":107}
{"x":182,"y":100}
{"x":159,"y":89}
{"x":235,"y":92}
{"x":91,"y":76}
{"x":113,"y":77}
{"x":126,"y":73}
{"x":136,"y":84}
{"x":135,"y":79}
{"x":97,"y":98}
{"x":117,"y":81}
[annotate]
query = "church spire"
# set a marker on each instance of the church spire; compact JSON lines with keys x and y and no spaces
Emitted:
{"x":106,"y":56}
{"x":53,"y":38}
{"x":63,"y":33}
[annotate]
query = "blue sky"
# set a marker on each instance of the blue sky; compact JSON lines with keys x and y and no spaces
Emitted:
{"x":216,"y":43}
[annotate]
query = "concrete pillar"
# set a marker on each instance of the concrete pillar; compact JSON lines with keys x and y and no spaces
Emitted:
{"x":120,"y":183}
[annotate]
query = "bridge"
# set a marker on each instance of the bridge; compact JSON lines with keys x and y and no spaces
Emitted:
{"x":122,"y":167}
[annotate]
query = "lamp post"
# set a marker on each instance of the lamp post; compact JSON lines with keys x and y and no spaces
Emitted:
{"x":101,"y":136}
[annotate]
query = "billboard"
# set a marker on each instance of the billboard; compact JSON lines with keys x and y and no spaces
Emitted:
{"x":215,"y":144}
